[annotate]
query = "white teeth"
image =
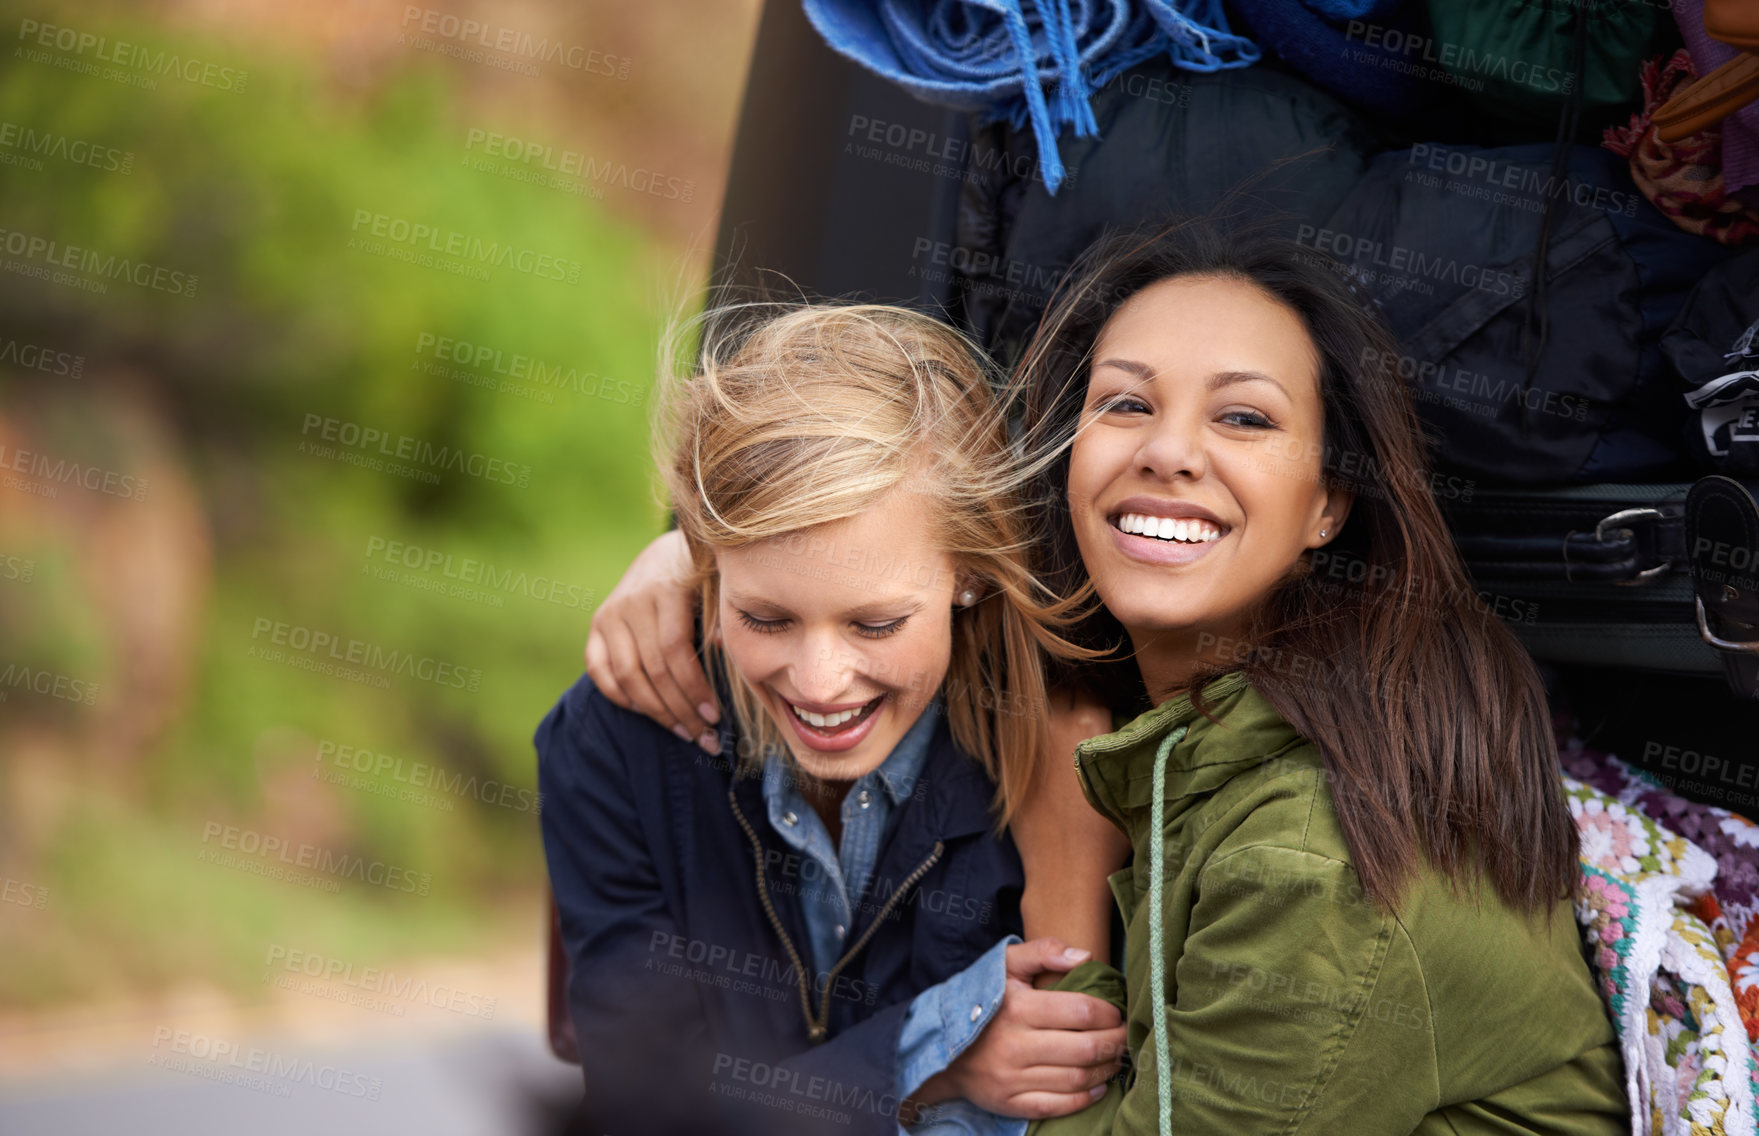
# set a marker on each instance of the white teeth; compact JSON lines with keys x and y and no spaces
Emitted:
{"x":1191,"y":531}
{"x":824,"y":721}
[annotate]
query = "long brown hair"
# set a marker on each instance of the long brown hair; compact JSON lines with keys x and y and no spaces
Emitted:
{"x":1430,"y":717}
{"x":797,"y":415}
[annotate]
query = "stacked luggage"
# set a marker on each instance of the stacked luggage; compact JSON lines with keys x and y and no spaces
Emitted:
{"x":1549,"y":200}
{"x":1582,"y":347}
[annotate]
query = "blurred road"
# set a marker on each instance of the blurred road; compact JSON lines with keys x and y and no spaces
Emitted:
{"x":201,"y":1063}
{"x":487,"y":1084}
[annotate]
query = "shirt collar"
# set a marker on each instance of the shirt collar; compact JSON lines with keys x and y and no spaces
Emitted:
{"x":902,"y":767}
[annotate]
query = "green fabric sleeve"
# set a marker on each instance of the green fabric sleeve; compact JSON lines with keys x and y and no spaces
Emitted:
{"x":1105,"y":982}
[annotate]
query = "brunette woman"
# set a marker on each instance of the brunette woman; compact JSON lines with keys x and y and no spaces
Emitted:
{"x":1349,"y":904}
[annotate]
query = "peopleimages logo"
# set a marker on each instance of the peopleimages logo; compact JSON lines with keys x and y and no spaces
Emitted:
{"x":924,"y":151}
{"x":327,"y":645}
{"x":32,"y":357}
{"x":121,"y":53}
{"x":490,"y":360}
{"x":235,"y":1058}
{"x":566,"y":164}
{"x":342,"y":865}
{"x":48,"y":683}
{"x":1458,"y":59}
{"x":403,"y":448}
{"x":468,"y":571}
{"x":1412,"y":263}
{"x":97,"y":266}
{"x":466,"y":247}
{"x":423,"y":775}
{"x":372,"y":980}
{"x":34,"y":145}
{"x":511,"y":41}
{"x":1503,"y":182}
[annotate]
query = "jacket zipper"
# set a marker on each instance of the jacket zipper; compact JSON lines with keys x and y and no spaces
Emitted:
{"x":817,"y":1025}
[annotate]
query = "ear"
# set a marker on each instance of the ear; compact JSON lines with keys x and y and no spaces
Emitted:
{"x":1334,"y":510}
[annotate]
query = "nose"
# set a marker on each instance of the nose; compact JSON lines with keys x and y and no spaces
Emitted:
{"x":1173,"y":447}
{"x":823,"y":673}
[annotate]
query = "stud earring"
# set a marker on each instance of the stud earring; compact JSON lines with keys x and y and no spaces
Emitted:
{"x":967,"y":598}
{"x":1321,"y":534}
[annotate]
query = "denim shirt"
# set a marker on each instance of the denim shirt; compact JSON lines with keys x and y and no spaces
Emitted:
{"x":943,"y":1019}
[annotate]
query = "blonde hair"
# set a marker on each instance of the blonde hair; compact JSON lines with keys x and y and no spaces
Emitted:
{"x":799,"y":415}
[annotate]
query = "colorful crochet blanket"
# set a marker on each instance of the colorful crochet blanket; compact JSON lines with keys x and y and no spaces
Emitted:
{"x":1667,"y":909}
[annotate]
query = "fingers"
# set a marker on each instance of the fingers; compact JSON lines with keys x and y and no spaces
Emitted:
{"x":669,"y":653}
{"x":625,"y":661}
{"x":1017,"y":1064}
{"x":1027,"y":960}
{"x":598,"y":665}
{"x":641,"y":649}
{"x":678,"y":642}
{"x":657,"y":664}
{"x":1042,"y":1106}
{"x":1066,"y":1060}
{"x":1060,"y":1009}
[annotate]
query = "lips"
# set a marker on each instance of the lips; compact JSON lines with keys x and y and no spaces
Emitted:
{"x":834,"y":721}
{"x":1163,"y":531}
{"x":833,"y":729}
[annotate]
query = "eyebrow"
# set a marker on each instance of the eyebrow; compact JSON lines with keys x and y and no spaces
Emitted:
{"x":1215,"y":382}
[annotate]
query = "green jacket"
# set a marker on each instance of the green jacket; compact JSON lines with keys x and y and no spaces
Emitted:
{"x":1294,"y":1004}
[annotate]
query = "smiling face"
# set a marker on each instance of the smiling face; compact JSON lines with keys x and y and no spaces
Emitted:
{"x":843,"y":630}
{"x":1194,"y":484}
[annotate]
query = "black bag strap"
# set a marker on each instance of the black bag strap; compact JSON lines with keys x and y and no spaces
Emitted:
{"x":1722,"y":528}
{"x":1527,"y":537}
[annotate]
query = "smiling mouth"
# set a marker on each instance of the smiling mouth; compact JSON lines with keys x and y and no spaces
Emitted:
{"x":1173,"y":530}
{"x":830,"y":725}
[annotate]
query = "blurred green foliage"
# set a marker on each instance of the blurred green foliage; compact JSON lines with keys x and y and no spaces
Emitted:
{"x":258,"y":193}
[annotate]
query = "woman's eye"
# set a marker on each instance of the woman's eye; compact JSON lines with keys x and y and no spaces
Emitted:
{"x":879,"y":630}
{"x":762,"y":626}
{"x":1120,"y":404}
{"x":1246,"y":418}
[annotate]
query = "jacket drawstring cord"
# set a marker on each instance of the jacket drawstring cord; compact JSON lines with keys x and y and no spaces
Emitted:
{"x":1157,"y":962}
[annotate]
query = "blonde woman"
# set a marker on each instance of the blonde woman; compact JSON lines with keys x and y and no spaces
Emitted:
{"x":819,"y":924}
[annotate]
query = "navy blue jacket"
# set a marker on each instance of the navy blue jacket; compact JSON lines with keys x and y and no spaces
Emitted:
{"x":685,"y":986}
